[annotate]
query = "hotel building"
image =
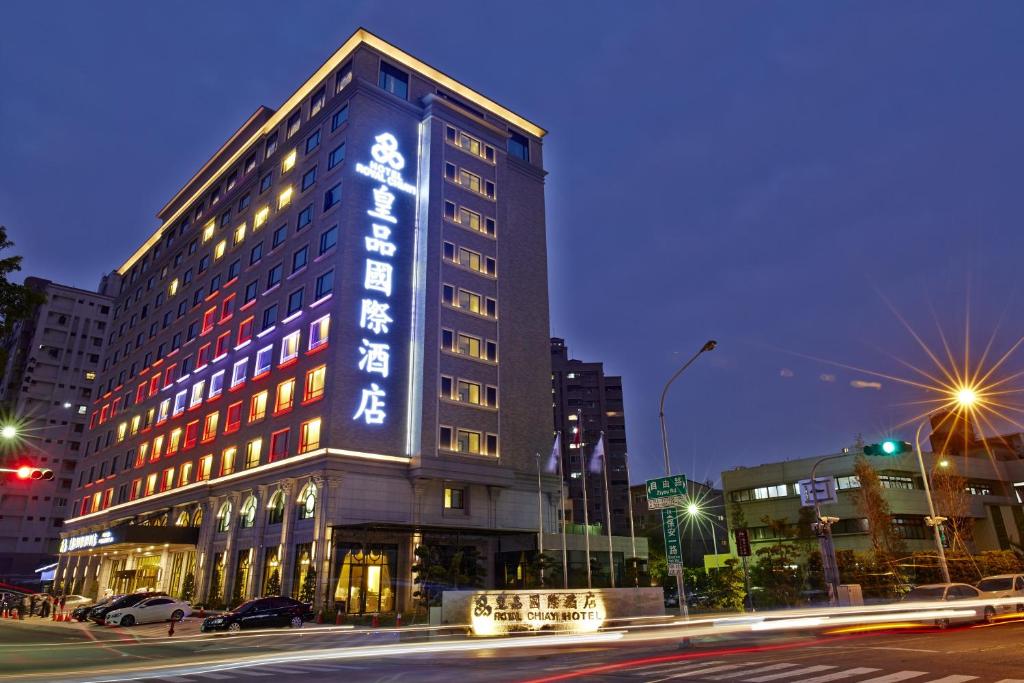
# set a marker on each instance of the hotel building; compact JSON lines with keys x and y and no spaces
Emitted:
{"x":330,"y":352}
{"x":49,"y":383}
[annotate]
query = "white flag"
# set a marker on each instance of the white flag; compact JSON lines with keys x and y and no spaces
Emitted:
{"x":556,"y":453}
{"x":597,"y":457}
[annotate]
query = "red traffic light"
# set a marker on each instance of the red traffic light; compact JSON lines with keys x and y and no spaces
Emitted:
{"x":26,"y":472}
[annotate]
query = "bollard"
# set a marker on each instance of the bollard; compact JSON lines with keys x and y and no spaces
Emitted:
{"x":398,"y":620}
{"x":375,"y":622}
{"x":337,"y":618}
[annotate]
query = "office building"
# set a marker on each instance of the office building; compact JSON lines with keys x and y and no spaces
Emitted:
{"x":585,"y":398}
{"x":48,"y":387}
{"x":330,"y":352}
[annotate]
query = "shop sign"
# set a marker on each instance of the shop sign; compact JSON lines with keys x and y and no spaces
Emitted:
{"x":86,"y":541}
{"x":498,"y":612}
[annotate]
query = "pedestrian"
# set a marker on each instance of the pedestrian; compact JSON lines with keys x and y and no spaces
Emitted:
{"x":44,"y":611}
{"x":32,"y":606}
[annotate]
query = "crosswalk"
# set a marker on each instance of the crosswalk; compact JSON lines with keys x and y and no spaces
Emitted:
{"x":736,"y":671}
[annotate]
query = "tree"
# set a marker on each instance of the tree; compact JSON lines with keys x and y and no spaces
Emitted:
{"x":274,"y":583}
{"x":952,"y":501}
{"x":308,"y":590}
{"x":17,"y":302}
{"x":541,"y":563}
{"x":777,"y":570}
{"x":440,"y":567}
{"x":188,"y":587}
{"x":213,"y":595}
{"x":873,"y":506}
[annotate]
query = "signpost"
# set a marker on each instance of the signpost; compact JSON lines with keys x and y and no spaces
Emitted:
{"x":666,"y":492}
{"x":823,"y":490}
{"x":743,"y":550}
{"x":673,"y":543}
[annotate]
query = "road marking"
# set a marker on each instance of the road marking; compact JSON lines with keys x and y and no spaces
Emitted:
{"x":677,"y":664}
{"x":704,"y":670}
{"x":762,"y":669}
{"x":846,"y":673}
{"x":784,"y":674}
{"x":894,"y":678}
{"x":953,"y":679}
{"x":282,"y":669}
{"x":904,"y":649}
{"x":216,"y":677}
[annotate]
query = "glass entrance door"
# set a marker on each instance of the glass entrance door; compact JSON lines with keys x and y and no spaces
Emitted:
{"x":366,"y":581}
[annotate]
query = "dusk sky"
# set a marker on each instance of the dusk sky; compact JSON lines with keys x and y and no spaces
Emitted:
{"x":764,"y":174}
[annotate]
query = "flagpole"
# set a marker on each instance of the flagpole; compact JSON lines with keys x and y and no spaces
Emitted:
{"x":540,"y":524}
{"x":586,"y":512}
{"x":561,"y":493}
{"x":608,"y":512}
{"x":632,"y":531}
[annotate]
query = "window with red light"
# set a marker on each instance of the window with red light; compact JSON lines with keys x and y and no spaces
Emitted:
{"x":167,"y":481}
{"x":191,"y":433}
{"x":245,"y":330}
{"x":108,"y":498}
{"x":233,"y":418}
{"x":318,"y":330}
{"x":210,"y":427}
{"x":140,"y":393}
{"x":313,"y":390}
{"x":208,"y":319}
{"x":285,"y":397}
{"x":93,"y":420}
{"x":140,"y":457}
{"x":174,"y":442}
{"x":104,"y":412}
{"x":278,"y":444}
{"x":136,"y":489}
{"x":227,"y":308}
{"x":154,"y":384}
{"x":203,"y":357}
{"x":309,"y":435}
{"x":222,"y":345}
{"x":169,"y":374}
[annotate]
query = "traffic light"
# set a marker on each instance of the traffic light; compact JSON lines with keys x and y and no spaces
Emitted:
{"x":26,"y":472}
{"x":888,"y":447}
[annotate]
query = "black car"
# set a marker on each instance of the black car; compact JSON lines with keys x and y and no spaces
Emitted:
{"x":99,"y":613}
{"x":81,"y":613}
{"x":260,"y":613}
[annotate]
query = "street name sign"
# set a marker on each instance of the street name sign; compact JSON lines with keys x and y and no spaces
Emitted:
{"x":742,"y":542}
{"x":673,"y":541}
{"x":822,"y":491}
{"x":666,"y":492}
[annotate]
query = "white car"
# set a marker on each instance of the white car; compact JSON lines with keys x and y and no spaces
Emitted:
{"x":157,"y":608}
{"x":948,"y":594}
{"x":1004,"y":586}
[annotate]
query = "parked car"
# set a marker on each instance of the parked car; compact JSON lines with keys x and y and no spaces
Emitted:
{"x":260,"y":613}
{"x":72,"y":602}
{"x":950,"y":593}
{"x":1004,"y":586}
{"x":99,"y":613}
{"x":81,"y":613}
{"x":158,"y":608}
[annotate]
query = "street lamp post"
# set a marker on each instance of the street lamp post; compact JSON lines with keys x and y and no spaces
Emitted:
{"x":933,"y":521}
{"x":823,"y":528}
{"x":708,"y":346}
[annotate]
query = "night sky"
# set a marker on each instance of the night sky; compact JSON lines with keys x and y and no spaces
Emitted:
{"x":765,"y":174}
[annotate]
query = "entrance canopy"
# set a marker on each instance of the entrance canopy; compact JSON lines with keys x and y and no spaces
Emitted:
{"x":128,"y":537}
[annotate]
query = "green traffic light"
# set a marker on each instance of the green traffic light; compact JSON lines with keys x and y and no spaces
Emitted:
{"x":888,"y":447}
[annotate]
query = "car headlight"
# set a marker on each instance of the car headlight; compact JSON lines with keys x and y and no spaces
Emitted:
{"x":218,"y":620}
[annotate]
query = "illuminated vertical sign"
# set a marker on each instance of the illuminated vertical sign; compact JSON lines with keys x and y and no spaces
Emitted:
{"x":380,"y":275}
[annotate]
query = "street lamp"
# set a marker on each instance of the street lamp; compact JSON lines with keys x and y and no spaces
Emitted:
{"x":709,"y":345}
{"x":8,"y":431}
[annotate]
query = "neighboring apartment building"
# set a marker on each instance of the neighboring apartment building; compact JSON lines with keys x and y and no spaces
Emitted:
{"x":47,"y":389}
{"x":993,"y":490}
{"x":330,"y":351}
{"x":581,"y":391}
{"x":703,"y":530}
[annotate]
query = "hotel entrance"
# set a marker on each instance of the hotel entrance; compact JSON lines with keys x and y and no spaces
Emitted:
{"x":366,"y":577}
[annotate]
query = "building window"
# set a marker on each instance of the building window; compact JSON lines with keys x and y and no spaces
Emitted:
{"x":313,"y":390}
{"x":313,"y":141}
{"x":263,"y":361}
{"x":258,"y":406}
{"x":324,"y":285}
{"x":233,"y":418}
{"x":468,"y":441}
{"x":444,"y":438}
{"x":294,"y":121}
{"x":245,"y":331}
{"x":394,"y":81}
{"x":518,"y":146}
{"x":290,"y":348}
{"x":238,"y":372}
{"x":318,"y":331}
{"x":227,"y":460}
{"x":266,"y":181}
{"x":275,"y":508}
{"x":247,"y":515}
{"x":253,"y":449}
{"x":307,"y":501}
{"x":299,"y":260}
{"x":469,"y":392}
{"x":285,"y":198}
{"x":216,"y":384}
{"x":210,"y":427}
{"x":343,"y":78}
{"x":332,"y":196}
{"x":328,"y":238}
{"x":251,"y":290}
{"x":336,"y":157}
{"x":284,"y":397}
{"x":340,"y":117}
{"x":197,"y":393}
{"x":309,"y":435}
{"x":255,"y":254}
{"x":269,"y":317}
{"x":224,"y":517}
{"x":205,"y":468}
{"x":191,"y":434}
{"x":278,"y":445}
{"x":308,"y":178}
{"x":454,"y":498}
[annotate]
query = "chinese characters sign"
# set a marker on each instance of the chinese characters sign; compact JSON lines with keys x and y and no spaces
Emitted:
{"x":381,"y":273}
{"x":673,"y":542}
{"x":666,"y":492}
{"x":493,"y":613}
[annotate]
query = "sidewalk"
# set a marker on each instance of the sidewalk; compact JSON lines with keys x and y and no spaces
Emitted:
{"x":189,"y":626}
